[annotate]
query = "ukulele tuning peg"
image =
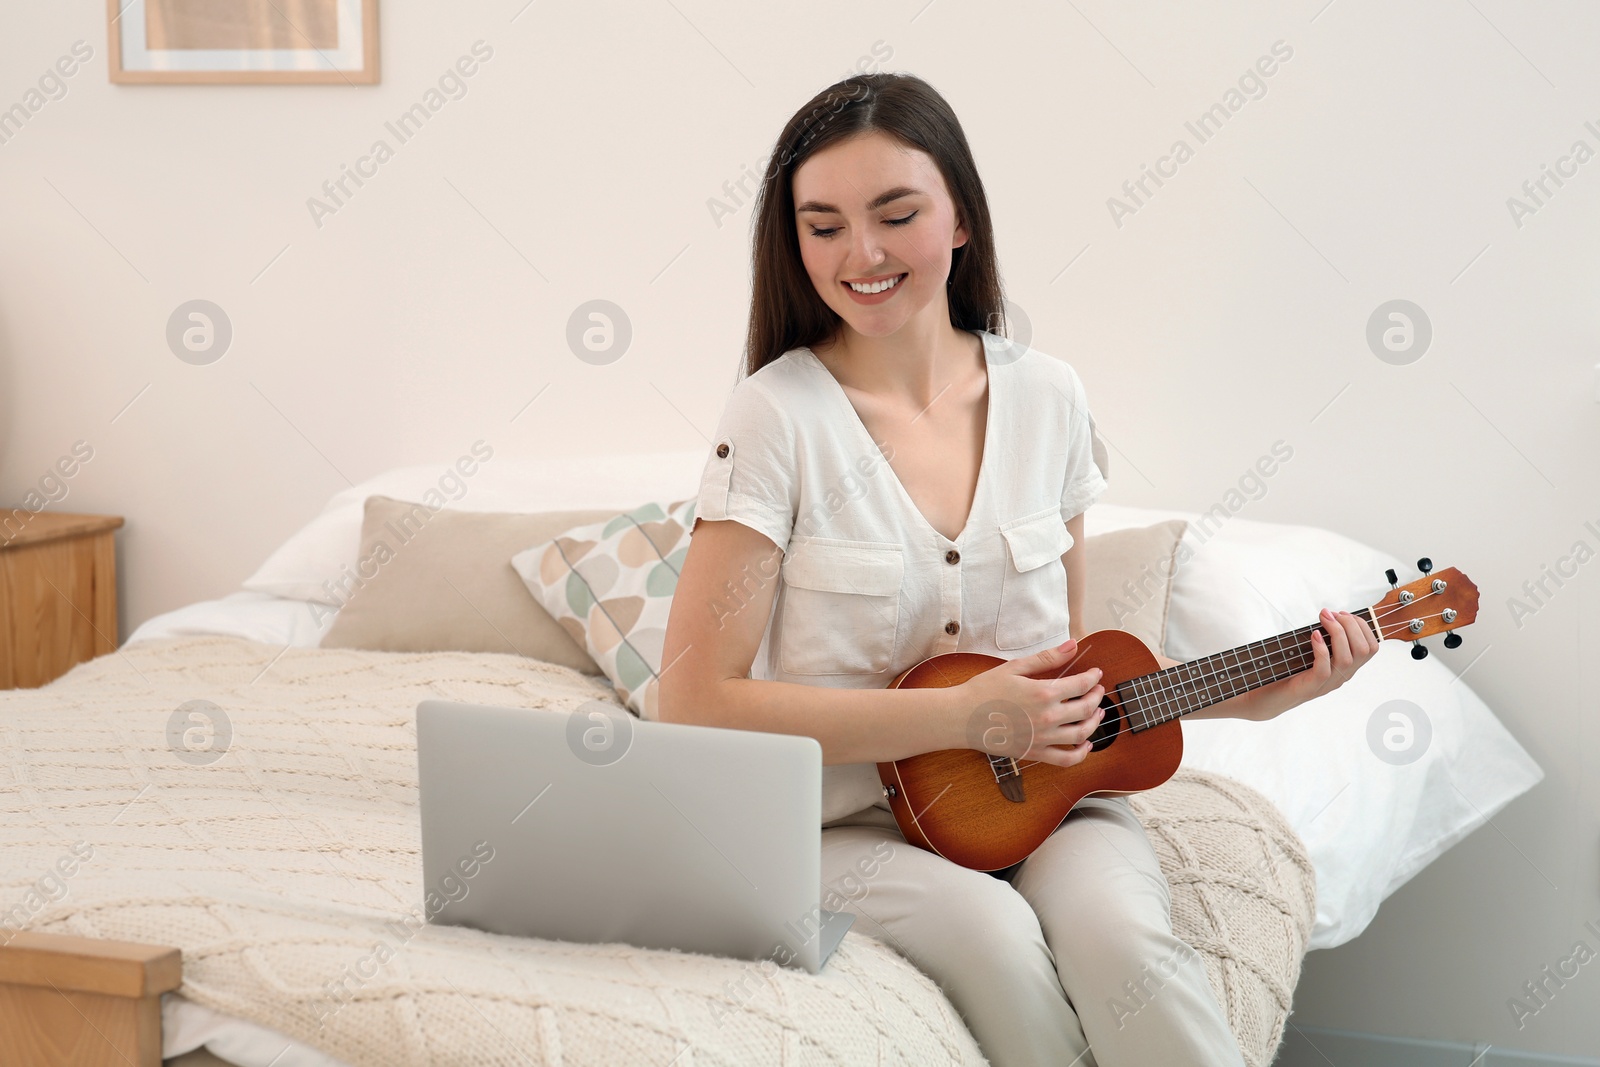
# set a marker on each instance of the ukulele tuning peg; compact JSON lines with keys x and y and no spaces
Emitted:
{"x":1452,"y":640}
{"x":1393,"y":580}
{"x":1419,"y":650}
{"x":1424,"y":564}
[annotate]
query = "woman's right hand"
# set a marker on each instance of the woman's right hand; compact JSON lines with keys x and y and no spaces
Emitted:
{"x":1047,"y":720}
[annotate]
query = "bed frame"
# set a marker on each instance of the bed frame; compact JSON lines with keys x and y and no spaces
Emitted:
{"x":83,"y":1001}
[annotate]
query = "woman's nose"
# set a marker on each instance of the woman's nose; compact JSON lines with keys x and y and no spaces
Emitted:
{"x":867,"y":249}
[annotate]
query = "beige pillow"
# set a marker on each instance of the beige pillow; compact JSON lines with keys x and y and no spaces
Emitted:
{"x":1130,"y":580}
{"x":437,"y":581}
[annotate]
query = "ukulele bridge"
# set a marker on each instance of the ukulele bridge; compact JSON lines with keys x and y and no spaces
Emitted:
{"x":1008,"y":776}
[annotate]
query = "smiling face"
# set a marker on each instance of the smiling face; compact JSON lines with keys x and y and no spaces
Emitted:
{"x":872,"y":210}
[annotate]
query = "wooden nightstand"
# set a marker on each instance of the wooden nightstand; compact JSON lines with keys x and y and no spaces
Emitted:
{"x":58,"y":593}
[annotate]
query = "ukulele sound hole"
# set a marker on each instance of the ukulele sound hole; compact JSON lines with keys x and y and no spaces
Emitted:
{"x":1110,"y":726}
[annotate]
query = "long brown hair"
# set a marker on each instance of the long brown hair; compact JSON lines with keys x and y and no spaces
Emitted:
{"x":785,"y":309}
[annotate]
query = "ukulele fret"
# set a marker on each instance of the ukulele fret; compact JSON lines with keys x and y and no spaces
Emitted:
{"x":1164,"y":695}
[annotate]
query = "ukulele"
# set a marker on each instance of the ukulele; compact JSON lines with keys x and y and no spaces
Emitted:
{"x":988,"y":812}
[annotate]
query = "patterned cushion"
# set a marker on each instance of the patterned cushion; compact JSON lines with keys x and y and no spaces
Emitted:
{"x":610,"y":585}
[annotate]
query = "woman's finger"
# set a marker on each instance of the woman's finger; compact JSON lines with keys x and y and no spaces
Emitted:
{"x":1076,"y":685}
{"x":1354,"y":637}
{"x":1369,"y":642}
{"x":1072,"y":715}
{"x":1063,"y":753}
{"x":1319,"y":656}
{"x":1338,"y":640}
{"x":1049,"y":662}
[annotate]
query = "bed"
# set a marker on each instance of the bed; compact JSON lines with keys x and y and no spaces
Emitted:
{"x":287,"y":869}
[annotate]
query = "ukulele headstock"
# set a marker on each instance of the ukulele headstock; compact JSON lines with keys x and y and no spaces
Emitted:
{"x":1435,"y":603}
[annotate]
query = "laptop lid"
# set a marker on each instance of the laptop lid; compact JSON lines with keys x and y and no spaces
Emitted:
{"x":594,"y":826}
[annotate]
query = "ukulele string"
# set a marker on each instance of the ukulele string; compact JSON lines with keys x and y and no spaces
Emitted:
{"x":1402,"y":607}
{"x":1291,"y":653}
{"x":1299,"y":656}
{"x":1175,"y":683}
{"x":1142,"y":718}
{"x":994,"y":764}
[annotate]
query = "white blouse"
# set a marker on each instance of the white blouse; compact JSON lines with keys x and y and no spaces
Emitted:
{"x":867,"y":588}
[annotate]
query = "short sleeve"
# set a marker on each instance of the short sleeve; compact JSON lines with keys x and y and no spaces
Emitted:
{"x":751,"y":475}
{"x":1086,"y":468}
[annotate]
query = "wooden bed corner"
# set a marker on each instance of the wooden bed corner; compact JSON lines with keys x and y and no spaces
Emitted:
{"x":82,"y":1001}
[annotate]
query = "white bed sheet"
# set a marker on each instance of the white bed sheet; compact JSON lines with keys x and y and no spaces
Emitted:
{"x":272,"y":620}
{"x":186,"y":1026}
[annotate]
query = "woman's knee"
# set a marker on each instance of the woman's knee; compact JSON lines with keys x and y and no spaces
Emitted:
{"x":930,"y":908}
{"x":988,"y":909}
{"x":985,"y":910}
{"x":1108,"y":921}
{"x":1123,"y":923}
{"x":1099,"y":863}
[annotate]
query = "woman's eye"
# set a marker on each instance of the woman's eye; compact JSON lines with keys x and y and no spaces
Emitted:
{"x":834,"y":229}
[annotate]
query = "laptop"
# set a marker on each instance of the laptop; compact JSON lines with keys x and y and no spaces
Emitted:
{"x":595,"y":826}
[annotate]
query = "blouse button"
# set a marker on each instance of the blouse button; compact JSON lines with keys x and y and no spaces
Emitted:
{"x":952,"y":627}
{"x":952,"y":556}
{"x":722,"y":450}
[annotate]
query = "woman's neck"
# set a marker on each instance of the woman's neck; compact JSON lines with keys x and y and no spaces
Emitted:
{"x":916,"y":364}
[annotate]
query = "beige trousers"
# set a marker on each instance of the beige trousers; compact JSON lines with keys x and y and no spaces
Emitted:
{"x":1066,"y":960}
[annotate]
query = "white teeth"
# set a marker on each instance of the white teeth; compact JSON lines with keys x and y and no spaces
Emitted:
{"x":876,"y":287}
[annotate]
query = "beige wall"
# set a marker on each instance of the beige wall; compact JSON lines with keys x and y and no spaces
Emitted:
{"x":1226,"y":312}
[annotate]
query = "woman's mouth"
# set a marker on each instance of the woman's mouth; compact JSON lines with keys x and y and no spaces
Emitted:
{"x":875,"y":291}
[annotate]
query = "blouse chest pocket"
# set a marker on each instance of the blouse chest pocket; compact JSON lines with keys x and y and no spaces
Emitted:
{"x":1033,"y":581}
{"x":841,"y":612}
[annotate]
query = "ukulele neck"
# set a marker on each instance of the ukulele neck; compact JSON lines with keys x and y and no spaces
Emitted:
{"x":1165,"y":695}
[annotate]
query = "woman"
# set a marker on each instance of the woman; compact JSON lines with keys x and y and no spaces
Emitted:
{"x":922,"y":483}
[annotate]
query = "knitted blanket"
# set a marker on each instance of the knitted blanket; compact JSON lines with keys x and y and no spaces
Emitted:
{"x":257,"y":808}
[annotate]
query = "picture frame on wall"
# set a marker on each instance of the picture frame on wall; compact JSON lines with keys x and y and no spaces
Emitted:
{"x":307,"y":42}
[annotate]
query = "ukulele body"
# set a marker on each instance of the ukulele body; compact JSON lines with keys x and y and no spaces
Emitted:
{"x":988,"y":813}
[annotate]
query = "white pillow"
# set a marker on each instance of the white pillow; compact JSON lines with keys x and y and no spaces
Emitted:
{"x":186,"y":1026}
{"x":253,"y":616}
{"x":1369,"y":825}
{"x":331,"y":543}
{"x":1247,"y":580}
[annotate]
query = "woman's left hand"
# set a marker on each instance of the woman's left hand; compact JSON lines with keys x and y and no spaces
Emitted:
{"x":1353,"y":644}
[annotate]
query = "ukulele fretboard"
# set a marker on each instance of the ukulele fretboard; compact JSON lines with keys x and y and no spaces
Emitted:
{"x":1167,"y":694}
